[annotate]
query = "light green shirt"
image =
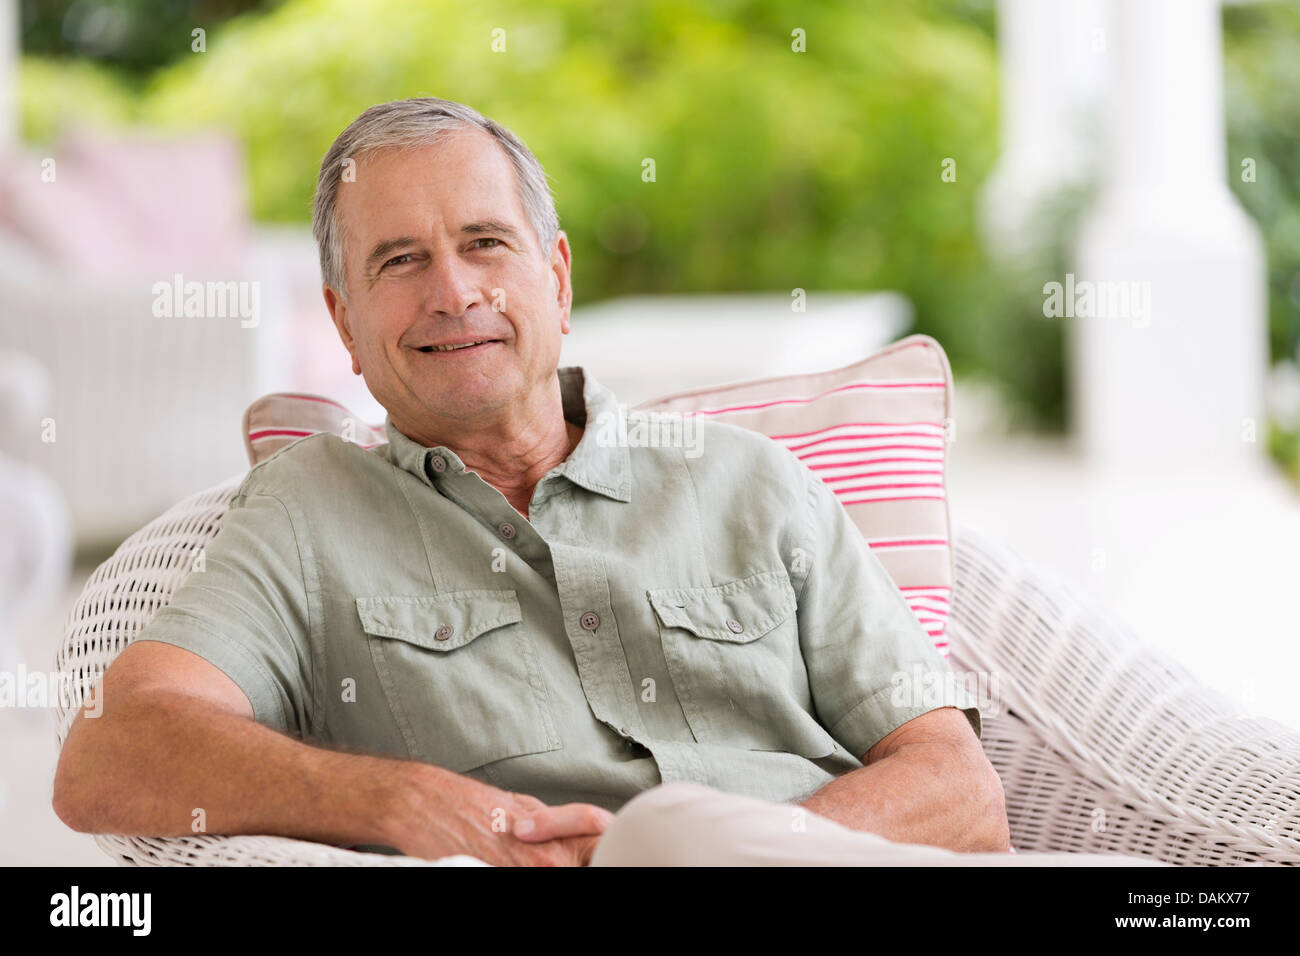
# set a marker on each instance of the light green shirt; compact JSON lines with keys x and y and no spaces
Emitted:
{"x":704,"y":612}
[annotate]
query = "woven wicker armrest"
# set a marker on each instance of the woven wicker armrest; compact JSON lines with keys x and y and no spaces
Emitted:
{"x":1105,"y":743}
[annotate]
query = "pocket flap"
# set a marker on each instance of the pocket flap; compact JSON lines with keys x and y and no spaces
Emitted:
{"x":739,"y":612}
{"x":441,"y":622}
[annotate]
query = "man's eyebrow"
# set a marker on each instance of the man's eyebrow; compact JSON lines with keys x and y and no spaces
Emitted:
{"x":384,"y":247}
{"x":490,"y":225}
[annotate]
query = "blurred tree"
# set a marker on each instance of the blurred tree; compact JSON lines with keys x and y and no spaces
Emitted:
{"x":1262,"y":92}
{"x":138,"y":36}
{"x":830,"y":146}
{"x":778,"y":165}
{"x":1263,"y":108}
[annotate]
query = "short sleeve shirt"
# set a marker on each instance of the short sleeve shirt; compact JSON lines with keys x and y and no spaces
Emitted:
{"x":682,"y":602}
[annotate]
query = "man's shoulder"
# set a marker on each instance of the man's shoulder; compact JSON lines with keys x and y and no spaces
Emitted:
{"x":733,"y":459}
{"x":735,"y":443}
{"x":319,"y":461}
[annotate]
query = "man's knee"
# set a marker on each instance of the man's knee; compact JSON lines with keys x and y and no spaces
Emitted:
{"x":650,"y":805}
{"x":649,"y":828}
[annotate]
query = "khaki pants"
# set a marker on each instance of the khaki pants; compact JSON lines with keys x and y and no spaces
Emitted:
{"x":688,"y":824}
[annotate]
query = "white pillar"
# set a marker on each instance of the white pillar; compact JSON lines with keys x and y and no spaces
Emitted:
{"x":1184,"y":384}
{"x":9,"y":53}
{"x":1051,"y":61}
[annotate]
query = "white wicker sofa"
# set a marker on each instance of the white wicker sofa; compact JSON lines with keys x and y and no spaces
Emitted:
{"x":1103,"y":743}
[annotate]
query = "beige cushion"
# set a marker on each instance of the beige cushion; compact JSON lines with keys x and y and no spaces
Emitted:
{"x":874,"y":431}
{"x":281,"y":418}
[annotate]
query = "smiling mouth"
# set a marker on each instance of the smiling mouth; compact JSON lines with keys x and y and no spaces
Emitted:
{"x":448,"y":349}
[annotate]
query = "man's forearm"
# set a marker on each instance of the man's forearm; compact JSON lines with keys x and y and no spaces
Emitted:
{"x":151,"y":762}
{"x":921,"y":794}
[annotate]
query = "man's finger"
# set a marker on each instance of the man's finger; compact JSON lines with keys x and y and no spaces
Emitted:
{"x":566,"y":820}
{"x":586,"y":849}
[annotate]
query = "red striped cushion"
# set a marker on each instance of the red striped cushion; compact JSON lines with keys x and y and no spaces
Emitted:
{"x":281,"y":418}
{"x":874,"y":431}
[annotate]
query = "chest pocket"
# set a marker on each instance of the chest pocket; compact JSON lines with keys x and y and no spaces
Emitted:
{"x":733,"y":654}
{"x":461,"y":676}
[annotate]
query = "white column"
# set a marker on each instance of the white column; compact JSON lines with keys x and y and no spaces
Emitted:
{"x":1051,"y":61}
{"x":1183,"y":384}
{"x":9,"y":52}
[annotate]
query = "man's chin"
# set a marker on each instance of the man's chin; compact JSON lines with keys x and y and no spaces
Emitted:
{"x":463,"y":400}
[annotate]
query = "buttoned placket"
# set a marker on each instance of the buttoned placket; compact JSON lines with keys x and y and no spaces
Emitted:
{"x":479,"y":499}
{"x":553,"y":542}
{"x":598,"y":649}
{"x":580,"y":581}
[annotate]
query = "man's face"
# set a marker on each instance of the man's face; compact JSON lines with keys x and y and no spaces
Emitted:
{"x":438,"y":251}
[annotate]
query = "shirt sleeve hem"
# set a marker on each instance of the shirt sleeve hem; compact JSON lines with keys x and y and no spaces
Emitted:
{"x":879,"y":715}
{"x":231,"y":659}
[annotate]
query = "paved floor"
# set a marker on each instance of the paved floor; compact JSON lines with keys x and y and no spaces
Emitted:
{"x":30,"y":833}
{"x":1204,"y":565}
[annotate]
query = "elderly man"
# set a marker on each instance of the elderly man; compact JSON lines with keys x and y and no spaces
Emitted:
{"x":489,"y":635}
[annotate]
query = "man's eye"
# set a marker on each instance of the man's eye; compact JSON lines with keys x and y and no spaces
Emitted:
{"x":488,"y":239}
{"x":397,"y":260}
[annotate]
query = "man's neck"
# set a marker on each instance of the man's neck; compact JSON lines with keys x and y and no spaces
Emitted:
{"x":514,"y":457}
{"x":517,"y":483}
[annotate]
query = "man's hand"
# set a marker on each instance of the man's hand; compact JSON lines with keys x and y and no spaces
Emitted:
{"x":580,"y":824}
{"x":444,"y":813}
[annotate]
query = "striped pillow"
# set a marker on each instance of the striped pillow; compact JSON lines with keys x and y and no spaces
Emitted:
{"x":874,"y":431}
{"x":281,"y":418}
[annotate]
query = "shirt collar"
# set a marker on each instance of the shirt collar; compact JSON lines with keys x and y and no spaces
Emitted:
{"x":602,"y":468}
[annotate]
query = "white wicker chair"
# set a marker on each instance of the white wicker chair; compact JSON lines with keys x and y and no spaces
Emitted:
{"x":1103,"y":743}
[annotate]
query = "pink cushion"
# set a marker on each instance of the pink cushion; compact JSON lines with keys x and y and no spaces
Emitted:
{"x":169,"y":206}
{"x":282,"y":418}
{"x":874,"y":431}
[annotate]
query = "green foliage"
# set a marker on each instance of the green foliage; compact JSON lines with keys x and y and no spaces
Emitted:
{"x":1284,"y":447}
{"x":54,"y":95}
{"x":1263,"y":107}
{"x":774,"y":169}
{"x":1262,"y":60}
{"x":135,"y":36}
{"x":1015,"y":344}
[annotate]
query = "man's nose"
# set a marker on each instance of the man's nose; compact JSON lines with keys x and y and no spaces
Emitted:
{"x":452,"y":286}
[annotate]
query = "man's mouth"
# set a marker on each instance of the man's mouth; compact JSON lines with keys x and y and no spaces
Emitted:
{"x":458,"y":347}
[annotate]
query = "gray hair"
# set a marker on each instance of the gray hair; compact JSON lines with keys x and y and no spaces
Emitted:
{"x":408,"y":123}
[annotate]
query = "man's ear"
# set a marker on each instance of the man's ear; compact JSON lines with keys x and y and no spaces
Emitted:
{"x":561,"y":270}
{"x":339,"y":313}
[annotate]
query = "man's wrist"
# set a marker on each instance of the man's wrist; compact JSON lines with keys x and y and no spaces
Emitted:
{"x":408,"y":786}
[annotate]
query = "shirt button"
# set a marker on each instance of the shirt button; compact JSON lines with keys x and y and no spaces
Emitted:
{"x":443,"y":632}
{"x":734,"y":626}
{"x":506,"y":530}
{"x":438,"y":463}
{"x":590,"y":621}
